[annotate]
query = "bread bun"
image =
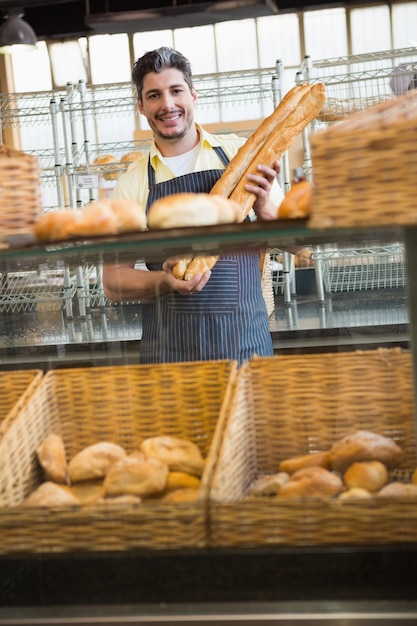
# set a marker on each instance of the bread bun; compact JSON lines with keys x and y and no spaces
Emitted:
{"x":398,"y":489}
{"x":51,"y":494}
{"x":181,"y":480}
{"x":94,"y":461}
{"x":130,"y":216}
{"x":364,"y":445}
{"x":98,"y":219}
{"x":57,"y":225}
{"x":106,"y":164}
{"x":268,"y":485}
{"x":297,"y":201}
{"x":355,"y":493}
{"x":192,"y":209}
{"x":312,"y":482}
{"x":52,"y":458}
{"x":179,"y":454}
{"x":292,"y":464}
{"x":188,"y":494}
{"x":88,"y":491}
{"x":370,"y":475}
{"x":137,"y":475}
{"x":129,"y":157}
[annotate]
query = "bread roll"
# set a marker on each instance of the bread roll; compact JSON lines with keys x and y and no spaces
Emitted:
{"x":138,"y":475}
{"x":88,"y":491}
{"x":187,"y":494}
{"x":98,"y":218}
{"x":94,"y":461}
{"x":129,"y":157}
{"x":369,"y":475}
{"x":107,"y":165}
{"x":268,"y":485}
{"x":312,"y":482}
{"x":294,"y":463}
{"x":192,"y":209}
{"x":57,"y":225}
{"x":181,"y":480}
{"x":365,"y":445}
{"x":51,"y":494}
{"x":53,"y":460}
{"x":181,"y":455}
{"x":355,"y":493}
{"x":398,"y":489}
{"x":130,"y":216}
{"x":297,"y":201}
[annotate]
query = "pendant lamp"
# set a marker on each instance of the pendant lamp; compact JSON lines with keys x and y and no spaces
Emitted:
{"x":15,"y":31}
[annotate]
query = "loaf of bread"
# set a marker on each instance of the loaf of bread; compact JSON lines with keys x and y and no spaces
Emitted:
{"x":312,"y":482}
{"x":51,"y":494}
{"x":267,"y":143}
{"x":53,"y":459}
{"x":369,"y":475}
{"x":98,"y":218}
{"x":94,"y":461}
{"x":238,"y":165}
{"x":364,"y":445}
{"x":181,"y":455}
{"x":192,"y":209}
{"x":137,"y":475}
{"x":279,"y":140}
{"x":88,"y":491}
{"x":57,"y":225}
{"x":297,"y":201}
{"x":294,"y":463}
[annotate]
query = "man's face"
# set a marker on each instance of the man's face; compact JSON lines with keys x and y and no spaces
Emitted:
{"x":168,"y":104}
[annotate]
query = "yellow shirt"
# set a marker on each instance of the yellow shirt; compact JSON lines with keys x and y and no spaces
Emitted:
{"x":133,"y":184}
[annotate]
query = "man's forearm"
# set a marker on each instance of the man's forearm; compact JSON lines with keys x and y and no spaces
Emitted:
{"x":126,"y":284}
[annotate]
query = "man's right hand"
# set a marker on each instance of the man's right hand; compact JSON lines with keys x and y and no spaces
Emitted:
{"x":184,"y":287}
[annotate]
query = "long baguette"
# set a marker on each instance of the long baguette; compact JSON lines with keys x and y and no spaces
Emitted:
{"x":275,"y":135}
{"x":247,"y":152}
{"x":279,"y":140}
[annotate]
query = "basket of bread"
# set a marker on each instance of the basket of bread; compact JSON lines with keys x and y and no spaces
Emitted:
{"x":318,"y":450}
{"x":113,"y":458}
{"x":364,"y":168}
{"x":20,"y":191}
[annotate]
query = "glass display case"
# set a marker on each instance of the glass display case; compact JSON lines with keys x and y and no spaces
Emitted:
{"x":339,"y":583}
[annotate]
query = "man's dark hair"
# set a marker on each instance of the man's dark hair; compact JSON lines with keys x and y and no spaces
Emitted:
{"x":158,"y":60}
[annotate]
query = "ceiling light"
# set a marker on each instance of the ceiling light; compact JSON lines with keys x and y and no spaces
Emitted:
{"x":15,"y":31}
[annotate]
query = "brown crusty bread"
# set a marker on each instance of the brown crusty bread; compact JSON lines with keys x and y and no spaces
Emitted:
{"x":279,"y":140}
{"x":248,"y":151}
{"x":273,"y":137}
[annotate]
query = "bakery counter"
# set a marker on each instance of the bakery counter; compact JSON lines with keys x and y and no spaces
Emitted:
{"x":337,"y":585}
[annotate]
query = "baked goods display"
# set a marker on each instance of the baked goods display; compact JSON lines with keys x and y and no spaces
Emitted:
{"x":98,"y":218}
{"x":360,"y":465}
{"x":267,"y":143}
{"x":163,"y":467}
{"x":192,"y":209}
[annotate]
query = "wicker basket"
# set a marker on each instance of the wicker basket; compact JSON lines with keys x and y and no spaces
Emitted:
{"x":20,"y":191}
{"x":16,"y":389}
{"x":122,"y":404}
{"x":364,"y":169}
{"x":289,"y":405}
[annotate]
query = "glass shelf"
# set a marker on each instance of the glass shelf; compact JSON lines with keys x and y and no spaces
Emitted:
{"x":22,"y":253}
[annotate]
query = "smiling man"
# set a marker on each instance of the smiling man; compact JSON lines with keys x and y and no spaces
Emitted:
{"x":220,"y":314}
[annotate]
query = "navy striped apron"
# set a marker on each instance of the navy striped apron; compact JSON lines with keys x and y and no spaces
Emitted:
{"x":226,"y":320}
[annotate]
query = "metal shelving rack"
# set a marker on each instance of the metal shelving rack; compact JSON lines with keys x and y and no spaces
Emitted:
{"x":353,"y":84}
